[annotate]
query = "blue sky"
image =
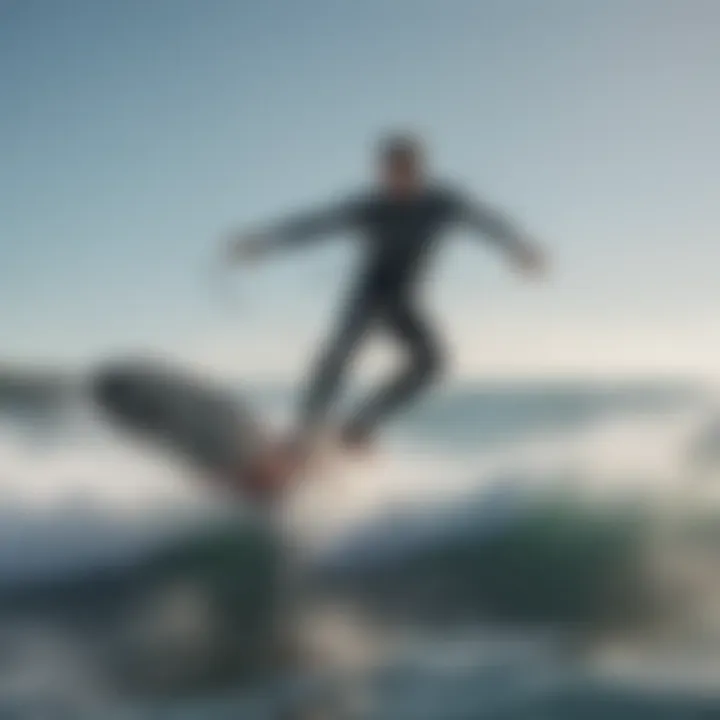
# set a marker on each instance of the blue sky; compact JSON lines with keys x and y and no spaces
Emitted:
{"x":133,"y":133}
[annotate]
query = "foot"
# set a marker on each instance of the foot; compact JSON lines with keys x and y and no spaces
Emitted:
{"x":355,"y":440}
{"x":271,"y":472}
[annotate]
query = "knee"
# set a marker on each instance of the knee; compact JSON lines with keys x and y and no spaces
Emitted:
{"x":332,"y":356}
{"x":428,"y":364}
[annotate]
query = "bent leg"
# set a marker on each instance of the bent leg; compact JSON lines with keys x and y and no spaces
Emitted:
{"x":424,"y":366}
{"x":329,"y":371}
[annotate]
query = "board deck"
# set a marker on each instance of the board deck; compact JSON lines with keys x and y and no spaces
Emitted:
{"x":194,"y":418}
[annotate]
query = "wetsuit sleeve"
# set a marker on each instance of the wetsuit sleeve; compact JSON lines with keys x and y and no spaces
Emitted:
{"x":305,"y":227}
{"x":489,"y":222}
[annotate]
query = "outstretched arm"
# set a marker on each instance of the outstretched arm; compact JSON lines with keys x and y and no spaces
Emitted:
{"x":294,"y":231}
{"x":498,"y":228}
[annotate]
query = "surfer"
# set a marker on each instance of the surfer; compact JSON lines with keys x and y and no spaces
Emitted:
{"x":400,"y":221}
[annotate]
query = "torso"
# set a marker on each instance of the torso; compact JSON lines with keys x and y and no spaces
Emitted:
{"x":401,"y":234}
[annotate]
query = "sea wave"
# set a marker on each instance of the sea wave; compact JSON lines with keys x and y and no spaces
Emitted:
{"x":587,"y":523}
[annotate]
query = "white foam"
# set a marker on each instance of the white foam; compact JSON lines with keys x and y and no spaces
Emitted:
{"x":105,"y":474}
{"x":632,"y":456}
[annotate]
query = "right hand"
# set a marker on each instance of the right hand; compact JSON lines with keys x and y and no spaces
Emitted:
{"x":246,"y":248}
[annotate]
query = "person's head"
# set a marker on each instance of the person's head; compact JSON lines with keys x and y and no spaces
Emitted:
{"x":401,"y":163}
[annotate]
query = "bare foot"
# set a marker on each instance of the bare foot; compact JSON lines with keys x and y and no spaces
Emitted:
{"x":356,"y":442}
{"x":270,"y":473}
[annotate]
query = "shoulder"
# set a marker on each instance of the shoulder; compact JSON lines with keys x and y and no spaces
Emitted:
{"x":361,"y":203}
{"x":446,"y":197}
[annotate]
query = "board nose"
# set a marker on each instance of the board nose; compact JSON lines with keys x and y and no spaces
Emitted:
{"x":121,"y":393}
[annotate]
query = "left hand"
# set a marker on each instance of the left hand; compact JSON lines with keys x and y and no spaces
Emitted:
{"x":531,"y":260}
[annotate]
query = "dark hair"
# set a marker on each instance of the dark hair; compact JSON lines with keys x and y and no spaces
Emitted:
{"x":400,"y":147}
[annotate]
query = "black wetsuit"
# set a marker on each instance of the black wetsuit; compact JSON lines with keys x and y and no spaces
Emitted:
{"x":400,"y":235}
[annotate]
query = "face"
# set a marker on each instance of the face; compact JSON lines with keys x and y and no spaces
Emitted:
{"x":401,"y":176}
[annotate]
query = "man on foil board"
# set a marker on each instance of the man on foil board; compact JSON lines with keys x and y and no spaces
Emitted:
{"x":400,"y":222}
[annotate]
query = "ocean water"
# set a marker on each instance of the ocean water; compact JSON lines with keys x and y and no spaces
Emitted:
{"x":514,"y":486}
